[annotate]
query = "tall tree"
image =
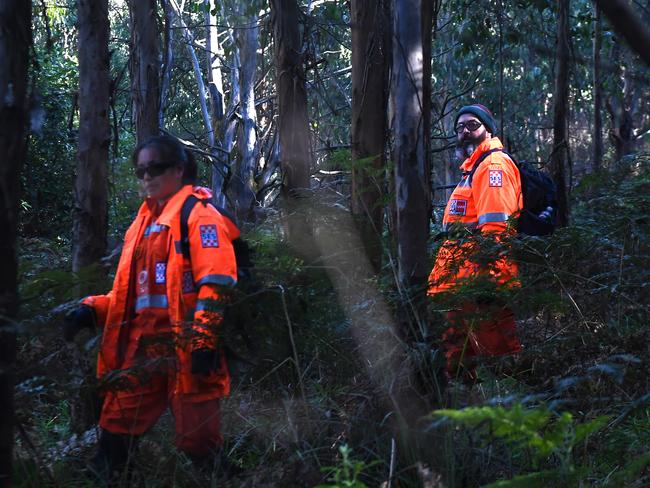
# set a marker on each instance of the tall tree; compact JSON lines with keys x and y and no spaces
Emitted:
{"x":370,"y":22}
{"x":293,"y":122}
{"x":242,"y":184}
{"x":145,"y":67}
{"x":410,"y":130}
{"x":91,"y":185}
{"x":214,"y":58}
{"x":15,"y":43}
{"x":560,"y":155}
{"x":598,"y":92}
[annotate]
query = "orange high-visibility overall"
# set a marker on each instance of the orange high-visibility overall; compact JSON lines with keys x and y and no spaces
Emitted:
{"x":161,"y":308}
{"x":483,"y":205}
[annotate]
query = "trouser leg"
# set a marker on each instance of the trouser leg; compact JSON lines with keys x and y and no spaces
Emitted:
{"x":198,"y":425}
{"x":478,"y":330}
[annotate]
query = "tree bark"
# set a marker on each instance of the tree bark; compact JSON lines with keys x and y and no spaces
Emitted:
{"x":242,"y":184}
{"x":560,"y":156}
{"x":370,"y":21}
{"x":412,"y":31}
{"x":598,"y":93}
{"x":214,"y":57}
{"x":293,"y":122}
{"x":145,"y":68}
{"x":167,"y":63}
{"x":629,"y":24}
{"x":91,"y":186}
{"x":15,"y":43}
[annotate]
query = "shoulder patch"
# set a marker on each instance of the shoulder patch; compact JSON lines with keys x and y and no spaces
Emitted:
{"x":209,"y":237}
{"x":495,"y":177}
{"x":458,"y":207}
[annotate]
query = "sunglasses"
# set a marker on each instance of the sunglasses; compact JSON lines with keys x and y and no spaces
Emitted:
{"x":471,"y":126}
{"x":153,"y":169}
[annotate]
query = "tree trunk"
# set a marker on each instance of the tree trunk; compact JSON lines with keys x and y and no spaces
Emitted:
{"x":242,"y":184}
{"x":293,"y":122}
{"x":91,"y":186}
{"x":629,"y":24}
{"x":598,"y":93}
{"x":145,"y":67}
{"x":214,"y":57}
{"x":167,"y":63}
{"x":370,"y":20}
{"x":15,"y":43}
{"x":560,"y":156}
{"x":412,"y":31}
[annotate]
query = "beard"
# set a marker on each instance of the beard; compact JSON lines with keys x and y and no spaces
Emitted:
{"x":468,"y":144}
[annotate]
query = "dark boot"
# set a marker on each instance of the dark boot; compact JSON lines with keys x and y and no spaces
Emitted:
{"x":113,"y":456}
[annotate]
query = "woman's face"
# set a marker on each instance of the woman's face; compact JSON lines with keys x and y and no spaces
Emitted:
{"x":162,"y":178}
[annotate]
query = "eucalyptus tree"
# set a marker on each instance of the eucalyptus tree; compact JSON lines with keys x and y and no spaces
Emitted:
{"x":411,"y":71}
{"x":293,"y":121}
{"x":145,"y":67}
{"x":370,"y":24}
{"x":242,"y":185}
{"x":597,"y":157}
{"x":15,"y":45}
{"x":560,"y":156}
{"x":91,"y":186}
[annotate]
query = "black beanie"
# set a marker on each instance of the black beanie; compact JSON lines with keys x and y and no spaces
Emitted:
{"x":482,"y":113}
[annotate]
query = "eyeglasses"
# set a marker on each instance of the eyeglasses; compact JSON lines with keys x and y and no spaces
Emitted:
{"x":471,"y":126}
{"x":153,"y":169}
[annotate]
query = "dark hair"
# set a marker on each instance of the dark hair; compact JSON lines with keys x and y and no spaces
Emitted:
{"x":170,"y":149}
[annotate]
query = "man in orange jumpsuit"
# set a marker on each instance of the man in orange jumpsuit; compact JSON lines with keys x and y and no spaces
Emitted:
{"x":486,"y":197}
{"x":161,"y":320}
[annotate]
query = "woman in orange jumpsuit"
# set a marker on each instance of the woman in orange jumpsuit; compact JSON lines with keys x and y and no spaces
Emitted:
{"x":161,"y":320}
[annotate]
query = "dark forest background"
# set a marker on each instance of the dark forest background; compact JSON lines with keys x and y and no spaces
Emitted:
{"x":326,"y":127}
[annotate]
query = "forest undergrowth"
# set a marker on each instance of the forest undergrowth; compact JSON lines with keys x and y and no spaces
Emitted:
{"x":573,"y":409}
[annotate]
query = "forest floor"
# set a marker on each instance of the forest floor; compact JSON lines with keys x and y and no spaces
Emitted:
{"x":573,"y":409}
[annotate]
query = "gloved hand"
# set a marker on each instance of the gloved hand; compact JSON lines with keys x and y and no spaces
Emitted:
{"x":205,"y":361}
{"x":80,"y":318}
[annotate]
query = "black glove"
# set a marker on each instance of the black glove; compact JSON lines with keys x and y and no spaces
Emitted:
{"x":79,"y":318}
{"x":205,"y":361}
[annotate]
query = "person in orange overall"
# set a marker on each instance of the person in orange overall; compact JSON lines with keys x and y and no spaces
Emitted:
{"x":161,"y":320}
{"x":482,"y":203}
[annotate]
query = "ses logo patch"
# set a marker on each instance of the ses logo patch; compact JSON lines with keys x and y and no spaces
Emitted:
{"x":495,"y":177}
{"x":458,"y":207}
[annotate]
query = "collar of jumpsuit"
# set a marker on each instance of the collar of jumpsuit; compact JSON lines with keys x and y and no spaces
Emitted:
{"x":486,"y":145}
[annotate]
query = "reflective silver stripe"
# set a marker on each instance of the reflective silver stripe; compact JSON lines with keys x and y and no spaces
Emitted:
{"x":468,"y":225}
{"x":463,"y":183}
{"x":151,"y":301}
{"x":210,"y":305}
{"x":492,"y":217}
{"x":217,"y":279}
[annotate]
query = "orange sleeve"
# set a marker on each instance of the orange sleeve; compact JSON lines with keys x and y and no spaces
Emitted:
{"x":496,"y":187}
{"x":214,"y":269}
{"x":211,"y":251}
{"x":100,"y":304}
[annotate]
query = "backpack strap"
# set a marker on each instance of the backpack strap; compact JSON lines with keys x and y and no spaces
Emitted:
{"x":186,"y":210}
{"x":481,"y":159}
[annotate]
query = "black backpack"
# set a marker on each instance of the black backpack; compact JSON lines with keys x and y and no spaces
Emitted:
{"x":539,"y":215}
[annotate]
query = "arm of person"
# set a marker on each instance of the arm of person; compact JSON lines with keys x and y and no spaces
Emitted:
{"x":215,"y":272}
{"x":497,"y":193}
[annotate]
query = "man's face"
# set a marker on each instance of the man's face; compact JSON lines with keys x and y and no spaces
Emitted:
{"x":468,"y":139}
